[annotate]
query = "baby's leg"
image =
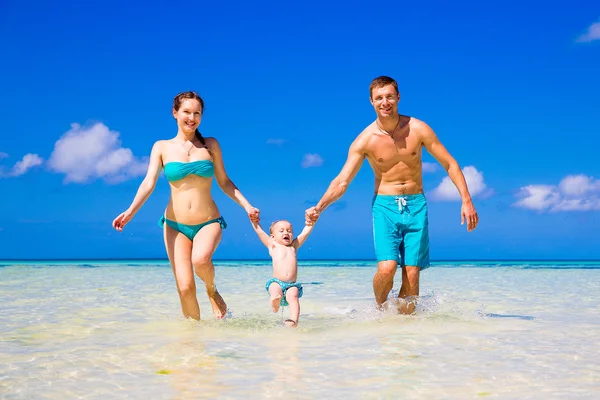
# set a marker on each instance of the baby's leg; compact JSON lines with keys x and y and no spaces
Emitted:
{"x":292,"y":298}
{"x":275,"y":292}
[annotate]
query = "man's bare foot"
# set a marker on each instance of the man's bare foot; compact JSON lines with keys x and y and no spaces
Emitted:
{"x":218,"y":305}
{"x":407,"y":306}
{"x":275,"y":303}
{"x":290,"y":323}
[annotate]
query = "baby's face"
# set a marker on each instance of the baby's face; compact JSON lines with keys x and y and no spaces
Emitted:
{"x":282,"y":233}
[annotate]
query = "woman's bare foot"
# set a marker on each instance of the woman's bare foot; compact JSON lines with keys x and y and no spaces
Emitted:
{"x":290,"y":323}
{"x":218,"y":305}
{"x":275,"y":302}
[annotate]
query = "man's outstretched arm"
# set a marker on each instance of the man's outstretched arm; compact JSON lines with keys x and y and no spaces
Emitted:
{"x":439,"y":152}
{"x":339,"y":185}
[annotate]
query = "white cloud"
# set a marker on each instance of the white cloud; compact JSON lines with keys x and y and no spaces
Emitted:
{"x":429,"y":167}
{"x":277,"y":142}
{"x":573,"y":193}
{"x":578,"y":185}
{"x":3,"y":155}
{"x":312,"y":160}
{"x":87,"y":153}
{"x":593,"y":33}
{"x":538,"y":197}
{"x":447,"y":191}
{"x":28,"y":161}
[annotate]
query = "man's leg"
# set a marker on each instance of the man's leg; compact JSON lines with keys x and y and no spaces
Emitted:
{"x":383,"y":281}
{"x":387,"y":240}
{"x":415,"y":252}
{"x":409,"y":290}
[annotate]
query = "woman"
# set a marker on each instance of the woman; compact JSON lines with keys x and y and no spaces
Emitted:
{"x":192,"y":223}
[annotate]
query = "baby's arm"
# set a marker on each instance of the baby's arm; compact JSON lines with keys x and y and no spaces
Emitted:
{"x":264,"y":238}
{"x":303,"y":235}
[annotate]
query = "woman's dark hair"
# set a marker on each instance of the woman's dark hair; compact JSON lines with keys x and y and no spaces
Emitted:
{"x":188,"y":96}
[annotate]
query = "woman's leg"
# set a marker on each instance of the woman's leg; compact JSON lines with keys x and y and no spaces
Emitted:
{"x":206,"y":242}
{"x":179,"y":250}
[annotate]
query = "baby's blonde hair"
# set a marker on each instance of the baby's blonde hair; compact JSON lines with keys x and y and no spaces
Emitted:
{"x":275,"y":223}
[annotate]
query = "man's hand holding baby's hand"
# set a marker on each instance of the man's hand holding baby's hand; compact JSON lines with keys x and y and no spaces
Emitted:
{"x":311,"y":216}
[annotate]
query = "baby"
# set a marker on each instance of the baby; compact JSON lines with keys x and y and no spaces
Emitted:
{"x":282,"y":247}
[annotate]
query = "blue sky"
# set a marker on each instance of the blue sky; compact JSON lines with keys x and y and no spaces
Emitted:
{"x":510,"y":89}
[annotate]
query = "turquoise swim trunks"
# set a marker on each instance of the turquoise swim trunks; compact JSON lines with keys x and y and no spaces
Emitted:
{"x":401,"y":229}
{"x":284,"y":286}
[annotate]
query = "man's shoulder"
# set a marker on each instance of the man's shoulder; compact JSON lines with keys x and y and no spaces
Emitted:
{"x":363,"y":139}
{"x":368,"y":131}
{"x":417,"y":123}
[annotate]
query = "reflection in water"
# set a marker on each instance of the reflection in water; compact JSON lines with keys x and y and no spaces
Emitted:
{"x":283,"y":355}
{"x":186,"y":365}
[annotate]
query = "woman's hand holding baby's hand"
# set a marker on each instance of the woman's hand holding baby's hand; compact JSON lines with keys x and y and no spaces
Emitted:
{"x":253,"y":214}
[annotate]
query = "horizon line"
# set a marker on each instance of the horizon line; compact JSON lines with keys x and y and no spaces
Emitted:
{"x":311,"y":259}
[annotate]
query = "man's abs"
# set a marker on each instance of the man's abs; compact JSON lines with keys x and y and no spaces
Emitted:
{"x":396,"y":188}
{"x":397,"y":175}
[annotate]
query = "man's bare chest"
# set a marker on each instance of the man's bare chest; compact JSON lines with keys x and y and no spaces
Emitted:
{"x":386,"y":153}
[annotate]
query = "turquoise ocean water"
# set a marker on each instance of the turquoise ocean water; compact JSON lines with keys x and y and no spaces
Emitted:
{"x":100,"y":329}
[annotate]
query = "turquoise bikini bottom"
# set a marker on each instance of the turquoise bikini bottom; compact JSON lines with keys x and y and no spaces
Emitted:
{"x":190,"y":230}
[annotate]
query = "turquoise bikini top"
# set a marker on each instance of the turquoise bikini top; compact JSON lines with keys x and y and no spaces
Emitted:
{"x":176,"y":170}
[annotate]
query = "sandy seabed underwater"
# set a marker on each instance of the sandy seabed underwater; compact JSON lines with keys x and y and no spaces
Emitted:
{"x":114,"y":330}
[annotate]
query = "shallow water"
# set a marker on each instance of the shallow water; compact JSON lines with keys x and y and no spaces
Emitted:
{"x":115,"y":331}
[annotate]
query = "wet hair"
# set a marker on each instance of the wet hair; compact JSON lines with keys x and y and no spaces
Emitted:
{"x":191,"y":96}
{"x":382,"y":81}
{"x":275,"y":223}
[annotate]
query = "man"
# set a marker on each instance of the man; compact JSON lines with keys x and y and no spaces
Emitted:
{"x":392,"y":144}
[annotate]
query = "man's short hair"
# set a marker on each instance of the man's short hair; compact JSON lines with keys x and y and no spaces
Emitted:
{"x":382,"y":81}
